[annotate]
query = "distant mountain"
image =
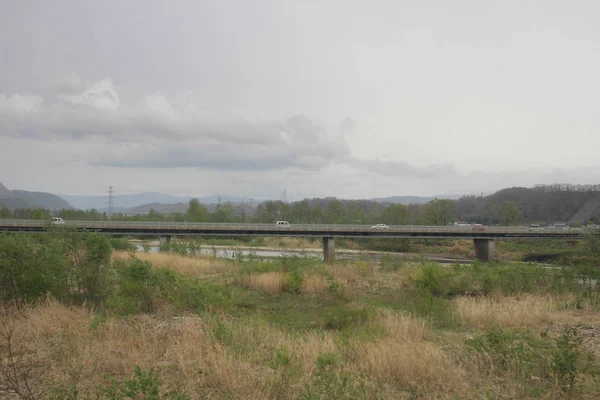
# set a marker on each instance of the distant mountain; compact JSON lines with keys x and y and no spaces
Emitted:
{"x":14,"y":199}
{"x":224,"y":199}
{"x":403,"y":199}
{"x":121,"y":202}
{"x":182,"y":207}
{"x":158,"y":207}
{"x":4,"y":192}
{"x":126,"y":202}
{"x":43,"y":200}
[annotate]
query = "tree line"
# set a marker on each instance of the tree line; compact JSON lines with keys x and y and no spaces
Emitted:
{"x":513,"y":206}
{"x":313,"y":211}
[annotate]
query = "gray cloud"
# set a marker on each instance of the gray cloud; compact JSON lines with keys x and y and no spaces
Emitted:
{"x":381,"y":99}
{"x":156,"y":133}
{"x":398,"y":168}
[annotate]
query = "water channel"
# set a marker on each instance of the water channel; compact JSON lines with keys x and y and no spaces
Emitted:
{"x":266,"y":254}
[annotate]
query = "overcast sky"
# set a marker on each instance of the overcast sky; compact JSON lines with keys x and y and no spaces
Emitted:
{"x":352,"y":99}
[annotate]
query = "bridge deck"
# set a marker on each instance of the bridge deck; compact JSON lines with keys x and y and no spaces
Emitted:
{"x":316,"y":230}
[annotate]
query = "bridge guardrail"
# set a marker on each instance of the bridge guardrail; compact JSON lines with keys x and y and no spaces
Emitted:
{"x":148,"y":225}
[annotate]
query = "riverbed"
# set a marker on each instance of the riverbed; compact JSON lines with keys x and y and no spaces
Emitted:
{"x":265,"y":253}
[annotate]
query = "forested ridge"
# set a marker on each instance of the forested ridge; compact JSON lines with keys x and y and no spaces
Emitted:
{"x":576,"y":204}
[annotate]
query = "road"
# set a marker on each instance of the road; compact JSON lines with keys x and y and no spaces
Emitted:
{"x":301,"y":230}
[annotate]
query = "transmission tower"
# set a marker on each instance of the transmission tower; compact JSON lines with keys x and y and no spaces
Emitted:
{"x":110,"y":201}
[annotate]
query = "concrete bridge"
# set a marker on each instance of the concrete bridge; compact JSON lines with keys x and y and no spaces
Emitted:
{"x":483,"y":240}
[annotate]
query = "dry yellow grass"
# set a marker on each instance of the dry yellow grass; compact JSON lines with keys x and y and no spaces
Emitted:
{"x":406,"y":359}
{"x":259,"y":341}
{"x":422,"y":366}
{"x":402,"y":327}
{"x":351,"y":273}
{"x":517,"y":311}
{"x":209,"y":356}
{"x":60,"y":342}
{"x":182,"y":264}
{"x":314,"y":284}
{"x":69,"y":347}
{"x":461,"y":248}
{"x":221,"y":356}
{"x":292,"y":243}
{"x":271,"y":282}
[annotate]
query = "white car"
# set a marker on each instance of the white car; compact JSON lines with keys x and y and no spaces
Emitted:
{"x":380,"y":226}
{"x":283,"y":224}
{"x":57,"y":221}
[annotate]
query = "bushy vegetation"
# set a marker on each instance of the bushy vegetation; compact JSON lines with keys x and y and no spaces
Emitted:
{"x":71,"y":267}
{"x":480,"y":279}
{"x":80,"y":320}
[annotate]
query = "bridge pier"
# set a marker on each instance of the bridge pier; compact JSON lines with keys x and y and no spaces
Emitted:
{"x":328,"y":249}
{"x":164,"y":241}
{"x":484,"y":249}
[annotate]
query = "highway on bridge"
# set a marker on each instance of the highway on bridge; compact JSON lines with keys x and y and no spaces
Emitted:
{"x":306,"y":230}
{"x":483,"y":239}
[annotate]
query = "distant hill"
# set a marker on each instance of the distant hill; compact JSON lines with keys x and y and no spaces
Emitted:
{"x":14,"y":199}
{"x":127,"y":202}
{"x":123,"y":202}
{"x":541,"y":204}
{"x":4,"y":192}
{"x":159,"y":207}
{"x":403,"y":199}
{"x":406,"y":200}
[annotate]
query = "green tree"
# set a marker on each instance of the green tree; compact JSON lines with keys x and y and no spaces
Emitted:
{"x":269,"y":211}
{"x":285,"y":212}
{"x":334,"y":214}
{"x":224,"y":213}
{"x":154,"y":215}
{"x":5,"y":213}
{"x":317,"y":216}
{"x":396,"y":214}
{"x":40,"y":213}
{"x":438,"y":212}
{"x":508,"y":213}
{"x":196,"y":212}
{"x":355,"y":214}
{"x":301,"y":212}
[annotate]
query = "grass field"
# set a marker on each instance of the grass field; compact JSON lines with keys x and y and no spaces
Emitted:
{"x":180,"y":327}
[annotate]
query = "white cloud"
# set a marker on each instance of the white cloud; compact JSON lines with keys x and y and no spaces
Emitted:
{"x":101,"y":95}
{"x":20,"y":103}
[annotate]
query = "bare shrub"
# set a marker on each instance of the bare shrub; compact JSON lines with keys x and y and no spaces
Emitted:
{"x":22,"y":373}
